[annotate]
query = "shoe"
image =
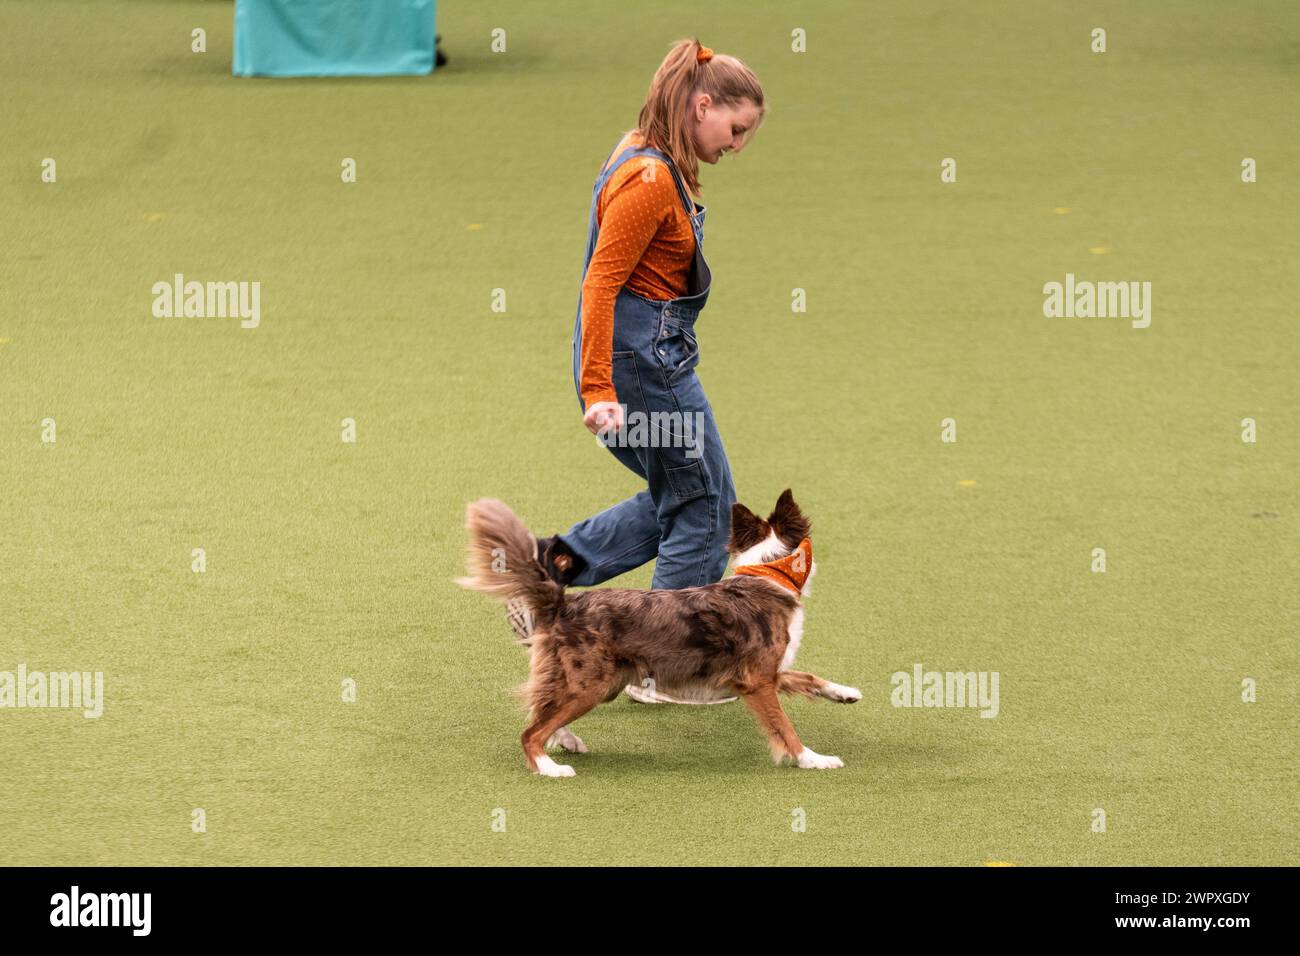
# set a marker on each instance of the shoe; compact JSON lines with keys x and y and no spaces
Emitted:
{"x":685,"y":695}
{"x":561,"y":563}
{"x":520,"y":616}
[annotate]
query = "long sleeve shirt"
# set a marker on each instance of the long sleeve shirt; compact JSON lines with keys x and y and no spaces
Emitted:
{"x":645,"y":243}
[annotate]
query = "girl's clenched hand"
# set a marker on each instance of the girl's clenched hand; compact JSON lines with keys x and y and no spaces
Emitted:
{"x":601,"y":416}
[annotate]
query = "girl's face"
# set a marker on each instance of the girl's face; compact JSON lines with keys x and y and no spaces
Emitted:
{"x":718,"y":128}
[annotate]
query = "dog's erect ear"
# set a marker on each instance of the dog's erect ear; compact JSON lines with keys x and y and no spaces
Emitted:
{"x":747,"y":529}
{"x":788,"y":521}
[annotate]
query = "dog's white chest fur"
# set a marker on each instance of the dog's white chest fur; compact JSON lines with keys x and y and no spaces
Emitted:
{"x":766,"y":550}
{"x":794,"y":635}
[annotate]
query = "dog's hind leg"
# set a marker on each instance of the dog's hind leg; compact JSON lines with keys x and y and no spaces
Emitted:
{"x":781,"y":738}
{"x":550,"y":715}
{"x":810,"y":685}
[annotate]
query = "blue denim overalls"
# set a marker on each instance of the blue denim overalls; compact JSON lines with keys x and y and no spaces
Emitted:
{"x":684,"y":517}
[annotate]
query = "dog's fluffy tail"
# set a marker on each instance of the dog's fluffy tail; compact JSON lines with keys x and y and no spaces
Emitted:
{"x":502,"y":562}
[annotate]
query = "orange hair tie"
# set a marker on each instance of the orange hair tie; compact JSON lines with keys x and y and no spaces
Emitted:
{"x":704,"y":55}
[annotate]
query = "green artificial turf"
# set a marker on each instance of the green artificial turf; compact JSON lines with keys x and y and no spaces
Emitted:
{"x":326,"y":560}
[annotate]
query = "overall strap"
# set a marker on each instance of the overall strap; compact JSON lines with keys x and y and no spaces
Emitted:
{"x":603,"y":178}
{"x":681,"y":191}
{"x":623,"y":157}
{"x":607,"y":170}
{"x":632,"y":151}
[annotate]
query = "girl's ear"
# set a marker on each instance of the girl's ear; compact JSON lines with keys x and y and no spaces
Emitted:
{"x":747,"y":529}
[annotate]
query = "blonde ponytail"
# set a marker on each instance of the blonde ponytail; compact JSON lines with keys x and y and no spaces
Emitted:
{"x":691,"y":68}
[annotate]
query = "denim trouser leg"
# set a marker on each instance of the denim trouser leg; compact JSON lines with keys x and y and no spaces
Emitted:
{"x":693,"y":547}
{"x":688,"y":538}
{"x":684,"y":516}
{"x":622,"y":537}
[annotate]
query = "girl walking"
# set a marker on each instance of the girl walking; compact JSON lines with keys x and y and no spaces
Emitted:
{"x":645,"y":284}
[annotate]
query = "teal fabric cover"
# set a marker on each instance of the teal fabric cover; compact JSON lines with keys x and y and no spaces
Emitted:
{"x":333,"y":37}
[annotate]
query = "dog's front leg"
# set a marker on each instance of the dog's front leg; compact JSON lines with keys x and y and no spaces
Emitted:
{"x":810,"y":685}
{"x":784,"y":742}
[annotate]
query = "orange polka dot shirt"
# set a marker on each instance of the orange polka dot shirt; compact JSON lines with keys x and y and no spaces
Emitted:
{"x":645,"y":243}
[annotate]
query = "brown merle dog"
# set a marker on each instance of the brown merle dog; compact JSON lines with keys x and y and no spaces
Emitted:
{"x":739,"y":634}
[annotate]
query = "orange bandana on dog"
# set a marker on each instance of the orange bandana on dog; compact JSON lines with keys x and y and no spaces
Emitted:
{"x":789,"y":572}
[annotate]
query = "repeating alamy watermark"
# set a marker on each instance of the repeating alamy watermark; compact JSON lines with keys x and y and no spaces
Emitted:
{"x":658,"y":430}
{"x":208,"y":300}
{"x":1102,"y":300}
{"x":922,"y":688}
{"x":67,"y":689}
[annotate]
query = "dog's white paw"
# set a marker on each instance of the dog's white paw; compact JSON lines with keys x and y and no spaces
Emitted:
{"x":810,"y":760}
{"x":841,"y":694}
{"x":549,"y":768}
{"x":567,"y":739}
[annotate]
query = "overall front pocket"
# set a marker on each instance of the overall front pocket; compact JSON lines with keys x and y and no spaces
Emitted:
{"x":666,"y":438}
{"x":676,"y":349}
{"x":676,"y":440}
